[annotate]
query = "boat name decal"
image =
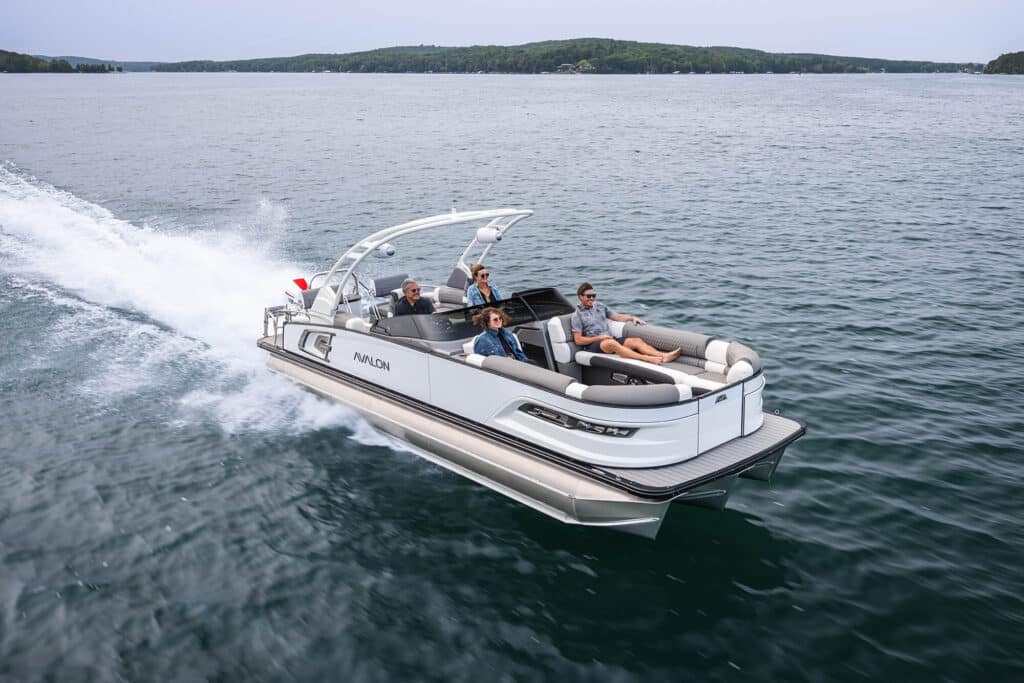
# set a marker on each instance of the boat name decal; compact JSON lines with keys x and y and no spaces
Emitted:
{"x":367,"y":359}
{"x":569,"y":422}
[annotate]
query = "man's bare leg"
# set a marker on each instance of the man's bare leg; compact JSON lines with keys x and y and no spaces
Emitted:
{"x":640,"y":346}
{"x":612,"y":346}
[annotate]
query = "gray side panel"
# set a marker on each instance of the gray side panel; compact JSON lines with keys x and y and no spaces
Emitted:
{"x":382,"y":286}
{"x":571,"y":370}
{"x":692,"y":343}
{"x":644,"y":395}
{"x":615,"y":364}
{"x":530,"y":374}
{"x":737,"y":352}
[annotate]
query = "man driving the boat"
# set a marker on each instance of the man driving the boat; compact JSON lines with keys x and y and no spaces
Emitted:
{"x":591,"y":332}
{"x":411,"y":302}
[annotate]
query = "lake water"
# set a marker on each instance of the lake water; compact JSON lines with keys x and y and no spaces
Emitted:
{"x":169,"y":510}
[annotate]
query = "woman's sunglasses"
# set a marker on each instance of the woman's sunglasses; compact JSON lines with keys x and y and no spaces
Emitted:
{"x":590,"y":296}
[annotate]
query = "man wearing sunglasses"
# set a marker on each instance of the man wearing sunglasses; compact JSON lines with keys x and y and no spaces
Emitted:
{"x":411,"y":302}
{"x":591,"y":332}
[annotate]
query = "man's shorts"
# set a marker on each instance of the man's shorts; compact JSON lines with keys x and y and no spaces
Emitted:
{"x":595,"y":347}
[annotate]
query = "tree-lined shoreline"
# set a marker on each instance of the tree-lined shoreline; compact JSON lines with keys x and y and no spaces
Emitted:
{"x":1009,"y":63}
{"x":593,"y":55}
{"x":580,"y":55}
{"x":14,"y":62}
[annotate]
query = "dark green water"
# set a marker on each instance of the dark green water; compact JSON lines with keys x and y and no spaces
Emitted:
{"x":171,"y":511}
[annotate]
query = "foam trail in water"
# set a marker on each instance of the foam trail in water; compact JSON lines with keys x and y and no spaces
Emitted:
{"x":207,"y":287}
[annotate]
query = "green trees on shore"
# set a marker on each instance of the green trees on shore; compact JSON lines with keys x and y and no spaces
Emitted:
{"x":602,"y":55}
{"x":15,"y":62}
{"x":96,"y":68}
{"x":1009,"y":63}
{"x":588,"y":55}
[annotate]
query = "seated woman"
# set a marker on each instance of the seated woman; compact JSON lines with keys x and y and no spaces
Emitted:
{"x":496,"y":340}
{"x":481,"y":291}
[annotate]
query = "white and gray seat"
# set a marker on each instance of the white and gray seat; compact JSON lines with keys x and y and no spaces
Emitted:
{"x":349,"y":321}
{"x":448,"y":298}
{"x":615,"y":395}
{"x":562,"y":346}
{"x":706,"y":363}
{"x":721,"y":361}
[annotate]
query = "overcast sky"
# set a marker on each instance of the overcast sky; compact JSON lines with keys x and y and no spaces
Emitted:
{"x":127,"y":30}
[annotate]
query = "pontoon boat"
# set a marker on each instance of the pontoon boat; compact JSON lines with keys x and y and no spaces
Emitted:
{"x":585,"y":438}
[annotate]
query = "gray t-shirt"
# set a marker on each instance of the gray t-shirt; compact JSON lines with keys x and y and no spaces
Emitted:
{"x":593,"y":321}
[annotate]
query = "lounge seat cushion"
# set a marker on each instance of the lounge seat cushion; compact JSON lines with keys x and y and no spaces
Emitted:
{"x":665,"y":373}
{"x":732,"y":360}
{"x":630,"y":394}
{"x":634,"y":368}
{"x":449,"y":295}
{"x":525,"y":372}
{"x":693,"y":344}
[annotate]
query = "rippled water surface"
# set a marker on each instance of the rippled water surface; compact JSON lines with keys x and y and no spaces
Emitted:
{"x":171,"y":511}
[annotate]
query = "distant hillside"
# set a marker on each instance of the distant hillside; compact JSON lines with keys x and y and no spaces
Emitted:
{"x":127,"y":66}
{"x":17,"y":63}
{"x":597,"y":55}
{"x":1010,"y":63}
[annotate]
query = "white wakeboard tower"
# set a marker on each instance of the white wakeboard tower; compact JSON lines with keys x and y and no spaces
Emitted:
{"x":343,"y":273}
{"x":585,"y":438}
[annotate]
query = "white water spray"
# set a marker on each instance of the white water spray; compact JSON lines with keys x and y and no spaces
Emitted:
{"x":209,"y":288}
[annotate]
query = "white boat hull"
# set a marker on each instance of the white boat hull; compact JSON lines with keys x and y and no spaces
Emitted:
{"x":570,"y":495}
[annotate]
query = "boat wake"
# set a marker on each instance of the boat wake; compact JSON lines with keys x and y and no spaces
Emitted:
{"x":171,"y":311}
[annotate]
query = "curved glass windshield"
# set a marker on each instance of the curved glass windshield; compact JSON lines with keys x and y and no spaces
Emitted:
{"x":522,"y":307}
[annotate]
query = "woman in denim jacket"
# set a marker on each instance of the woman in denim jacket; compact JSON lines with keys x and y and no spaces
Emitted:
{"x":481,"y":291}
{"x":496,"y":340}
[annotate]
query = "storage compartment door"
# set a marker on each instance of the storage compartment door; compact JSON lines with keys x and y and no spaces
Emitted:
{"x":721,"y":416}
{"x":753,"y":411}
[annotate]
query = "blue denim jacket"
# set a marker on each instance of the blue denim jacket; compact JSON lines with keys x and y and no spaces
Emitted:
{"x":476,"y":298}
{"x":487,"y":344}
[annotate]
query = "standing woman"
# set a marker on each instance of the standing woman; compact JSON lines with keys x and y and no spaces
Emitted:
{"x":481,"y":291}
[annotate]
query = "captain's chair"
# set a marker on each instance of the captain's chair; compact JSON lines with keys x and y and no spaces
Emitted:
{"x":383,"y":286}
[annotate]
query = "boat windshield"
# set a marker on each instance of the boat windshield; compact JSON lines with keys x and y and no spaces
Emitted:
{"x":522,"y":307}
